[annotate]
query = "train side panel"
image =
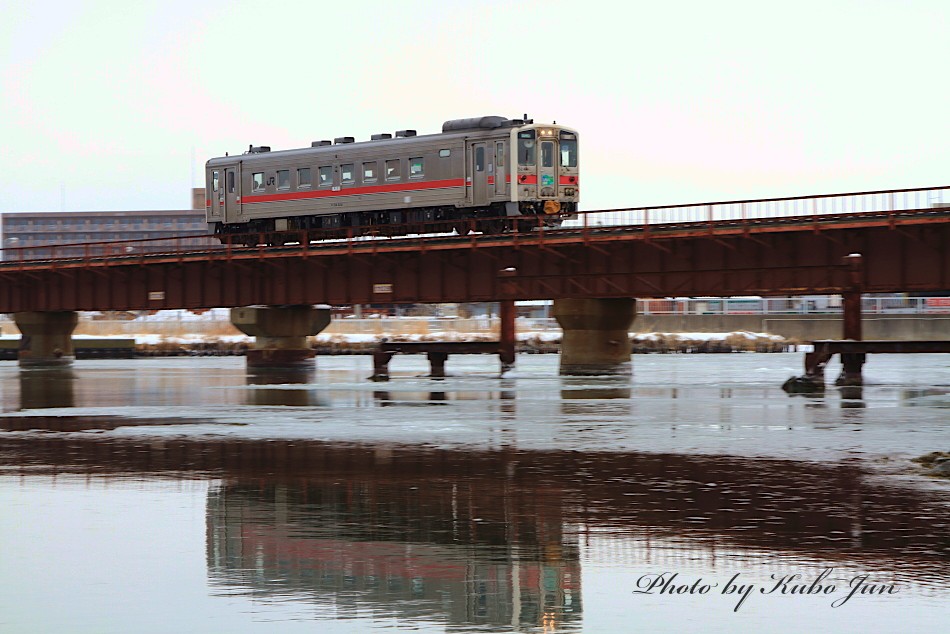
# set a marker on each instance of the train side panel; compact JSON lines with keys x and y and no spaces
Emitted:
{"x":360,"y":181}
{"x":463,"y":173}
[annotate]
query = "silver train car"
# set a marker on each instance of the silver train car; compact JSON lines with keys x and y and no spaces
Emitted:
{"x":488,"y":174}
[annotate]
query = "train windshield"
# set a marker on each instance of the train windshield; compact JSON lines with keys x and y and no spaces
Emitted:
{"x":568,"y":149}
{"x":527,"y":152}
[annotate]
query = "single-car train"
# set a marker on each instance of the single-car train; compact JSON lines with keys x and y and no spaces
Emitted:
{"x":490,"y":174}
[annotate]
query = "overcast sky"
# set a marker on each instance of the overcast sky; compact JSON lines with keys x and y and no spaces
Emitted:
{"x":116,"y":105}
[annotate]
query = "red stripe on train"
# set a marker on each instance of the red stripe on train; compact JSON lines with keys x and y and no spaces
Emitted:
{"x":354,"y":191}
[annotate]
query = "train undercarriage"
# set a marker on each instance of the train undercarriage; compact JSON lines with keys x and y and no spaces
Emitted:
{"x":493,"y":219}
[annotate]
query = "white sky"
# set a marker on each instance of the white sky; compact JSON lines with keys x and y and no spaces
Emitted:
{"x":115,"y":105}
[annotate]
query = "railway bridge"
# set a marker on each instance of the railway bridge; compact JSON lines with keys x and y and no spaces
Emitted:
{"x":854,"y":243}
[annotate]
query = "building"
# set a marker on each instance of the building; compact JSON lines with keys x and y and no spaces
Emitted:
{"x":32,"y":235}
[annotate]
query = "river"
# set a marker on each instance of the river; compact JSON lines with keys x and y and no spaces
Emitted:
{"x":188,"y":495}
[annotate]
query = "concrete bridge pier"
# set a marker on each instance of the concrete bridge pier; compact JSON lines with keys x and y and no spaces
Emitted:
{"x":596,"y":339}
{"x":280,"y":333}
{"x":46,"y":337}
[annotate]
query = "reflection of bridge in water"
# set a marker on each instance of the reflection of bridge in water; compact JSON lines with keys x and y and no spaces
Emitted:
{"x":523,"y":500}
{"x":36,"y":388}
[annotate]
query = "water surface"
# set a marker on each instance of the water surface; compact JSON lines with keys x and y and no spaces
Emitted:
{"x":188,"y":495}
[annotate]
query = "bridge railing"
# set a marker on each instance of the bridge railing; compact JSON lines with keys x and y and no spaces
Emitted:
{"x":772,"y":208}
{"x":125,"y":249}
{"x":757,"y":211}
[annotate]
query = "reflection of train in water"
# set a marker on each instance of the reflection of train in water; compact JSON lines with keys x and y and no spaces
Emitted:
{"x":442,"y":554}
{"x":487,"y":173}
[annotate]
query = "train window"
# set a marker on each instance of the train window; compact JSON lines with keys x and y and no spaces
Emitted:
{"x":369,"y":172}
{"x":348,"y":173}
{"x":500,"y":154}
{"x":257,"y":182}
{"x":283,"y":179}
{"x":526,"y":148}
{"x":214,"y":180}
{"x":416,"y":167}
{"x":547,"y":154}
{"x":325,"y":174}
{"x":303,"y":177}
{"x":480,"y":159}
{"x":445,"y":153}
{"x":392,"y":170}
{"x":568,"y":150}
{"x":230,"y":182}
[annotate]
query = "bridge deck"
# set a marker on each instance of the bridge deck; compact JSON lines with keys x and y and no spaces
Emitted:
{"x":437,"y":352}
{"x":446,"y":347}
{"x":780,"y":247}
{"x":716,"y":219}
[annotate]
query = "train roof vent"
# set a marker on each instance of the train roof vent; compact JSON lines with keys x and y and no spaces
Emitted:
{"x":474,"y":123}
{"x":380,"y":137}
{"x":321,"y":143}
{"x":405,"y":133}
{"x":516,"y":122}
{"x":343,"y":139}
{"x":258,"y":149}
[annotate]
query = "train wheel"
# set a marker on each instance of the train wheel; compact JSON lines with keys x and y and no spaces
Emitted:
{"x":491,"y":227}
{"x":237,"y":240}
{"x":526,"y":226}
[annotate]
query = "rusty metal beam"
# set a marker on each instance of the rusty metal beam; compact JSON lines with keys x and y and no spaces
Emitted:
{"x":791,"y":262}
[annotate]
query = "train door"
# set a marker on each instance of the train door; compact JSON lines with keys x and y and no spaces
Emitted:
{"x":480,"y":162}
{"x":215,"y":195}
{"x":501,"y":168}
{"x":547,"y":168}
{"x":232,"y":194}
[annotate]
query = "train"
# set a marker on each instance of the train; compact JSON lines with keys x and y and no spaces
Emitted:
{"x":487,"y":174}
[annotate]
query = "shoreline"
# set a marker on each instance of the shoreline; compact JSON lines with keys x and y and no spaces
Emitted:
{"x":543,"y":342}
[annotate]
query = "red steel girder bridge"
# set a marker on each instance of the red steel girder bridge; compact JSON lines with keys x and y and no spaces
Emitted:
{"x":780,"y":246}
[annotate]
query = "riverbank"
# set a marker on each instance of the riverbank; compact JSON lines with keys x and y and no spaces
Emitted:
{"x":538,"y":342}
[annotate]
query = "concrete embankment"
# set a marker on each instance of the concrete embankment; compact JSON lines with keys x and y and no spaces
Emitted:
{"x":793,"y":327}
{"x":802,"y":327}
{"x":536,"y":343}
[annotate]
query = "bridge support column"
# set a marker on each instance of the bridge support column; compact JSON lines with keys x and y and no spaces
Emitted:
{"x":596,"y":337}
{"x":46,"y":337}
{"x":852,"y":364}
{"x":507,"y":313}
{"x":280,"y":333}
{"x":437,"y":364}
